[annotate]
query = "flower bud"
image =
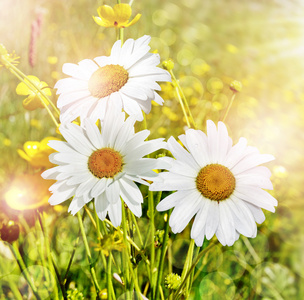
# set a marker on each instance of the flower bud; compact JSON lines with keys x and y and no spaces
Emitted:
{"x":236,"y":86}
{"x":172,"y":281}
{"x":168,"y":64}
{"x":9,"y":232}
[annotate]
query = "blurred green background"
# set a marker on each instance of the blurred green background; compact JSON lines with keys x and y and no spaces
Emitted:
{"x":212,"y":42}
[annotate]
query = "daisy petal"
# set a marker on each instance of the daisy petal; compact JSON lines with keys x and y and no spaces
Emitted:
{"x":115,"y":213}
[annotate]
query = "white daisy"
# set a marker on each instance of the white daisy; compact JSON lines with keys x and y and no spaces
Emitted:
{"x":103,"y":165}
{"x":219,"y":183}
{"x":126,"y":80}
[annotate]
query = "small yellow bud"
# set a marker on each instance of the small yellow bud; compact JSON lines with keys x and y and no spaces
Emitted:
{"x":52,"y":60}
{"x":168,"y":64}
{"x":236,"y":86}
{"x":172,"y":281}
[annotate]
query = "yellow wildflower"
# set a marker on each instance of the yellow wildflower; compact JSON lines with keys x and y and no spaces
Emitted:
{"x":115,"y":17}
{"x":28,"y":191}
{"x":168,"y":64}
{"x":231,"y":48}
{"x":110,"y":242}
{"x":52,"y":60}
{"x":32,"y":101}
{"x":5,"y":57}
{"x":236,"y":86}
{"x":7,"y":142}
{"x":36,"y":123}
{"x":37,"y":153}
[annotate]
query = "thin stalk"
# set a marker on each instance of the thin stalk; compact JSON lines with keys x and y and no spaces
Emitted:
{"x":158,"y":197}
{"x":97,"y":220}
{"x":121,"y":35}
{"x":130,"y":241}
{"x":162,"y":257}
{"x":251,"y":249}
{"x":86,"y":245}
{"x":109,"y":279}
{"x":192,"y":272}
{"x":135,"y":280}
{"x":229,"y":106}
{"x":176,"y":82}
{"x":62,"y":287}
{"x":200,"y":255}
{"x":100,"y":235}
{"x":152,"y":233}
{"x":40,"y":237}
{"x":15,"y":290}
{"x":125,"y":255}
{"x":16,"y":253}
{"x":34,"y":85}
{"x":70,"y":262}
{"x":137,"y":230}
{"x":187,"y":265}
{"x":48,"y":251}
{"x":161,"y":293}
{"x":182,"y":106}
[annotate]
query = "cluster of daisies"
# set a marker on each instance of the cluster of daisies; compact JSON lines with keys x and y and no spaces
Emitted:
{"x":220,"y":184}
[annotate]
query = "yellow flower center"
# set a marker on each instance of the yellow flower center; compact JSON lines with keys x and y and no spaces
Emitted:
{"x":215,"y":182}
{"x":105,"y":162}
{"x":107,"y":80}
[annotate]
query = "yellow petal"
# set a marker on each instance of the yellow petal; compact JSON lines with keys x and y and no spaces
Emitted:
{"x":34,"y":79}
{"x":23,"y":155}
{"x":44,"y":86}
{"x":135,"y":20}
{"x":103,"y":23}
{"x":31,"y":148}
{"x":122,"y":12}
{"x":106,"y":12}
{"x":32,"y":103}
{"x":44,"y":143}
{"x":22,"y":89}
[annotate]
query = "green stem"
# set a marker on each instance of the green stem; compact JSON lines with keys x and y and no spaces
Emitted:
{"x":183,"y":97}
{"x":162,"y":257}
{"x":152,"y":233}
{"x":187,"y":266}
{"x":99,"y":234}
{"x":229,"y":106}
{"x":71,"y":259}
{"x":251,"y":249}
{"x":62,"y":287}
{"x":121,"y":35}
{"x":45,"y":246}
{"x":130,"y":241}
{"x":197,"y":249}
{"x":86,"y":245}
{"x":109,"y":279}
{"x":15,"y":290}
{"x":137,"y":230}
{"x":97,"y":220}
{"x":182,"y":106}
{"x":15,"y":251}
{"x":125,"y":255}
{"x":48,"y":251}
{"x":177,"y":294}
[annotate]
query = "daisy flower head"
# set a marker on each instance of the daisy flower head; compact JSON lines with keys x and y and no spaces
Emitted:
{"x":102,"y":165}
{"x":127,"y":79}
{"x":223,"y":185}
